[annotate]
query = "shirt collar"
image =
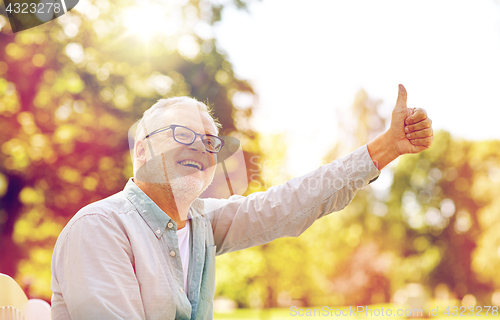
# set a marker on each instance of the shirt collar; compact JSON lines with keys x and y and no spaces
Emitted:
{"x":154,"y":217}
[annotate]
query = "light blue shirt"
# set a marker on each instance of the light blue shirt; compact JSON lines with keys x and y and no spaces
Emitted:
{"x":118,"y":258}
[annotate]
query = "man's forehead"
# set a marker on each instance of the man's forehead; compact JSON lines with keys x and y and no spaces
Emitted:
{"x":189,"y":115}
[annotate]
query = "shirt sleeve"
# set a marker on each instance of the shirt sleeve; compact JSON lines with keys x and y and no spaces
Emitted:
{"x":93,"y":273}
{"x":289,"y":209}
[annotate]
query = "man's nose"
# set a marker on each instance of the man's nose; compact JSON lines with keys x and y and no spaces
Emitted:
{"x":198,"y":145}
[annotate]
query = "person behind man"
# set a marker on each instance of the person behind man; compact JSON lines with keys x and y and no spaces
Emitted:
{"x":148,"y":252}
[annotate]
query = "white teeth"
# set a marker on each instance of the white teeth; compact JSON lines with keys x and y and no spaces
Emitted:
{"x":195,"y":163}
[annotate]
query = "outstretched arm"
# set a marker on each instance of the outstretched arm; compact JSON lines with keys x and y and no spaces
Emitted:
{"x":291,"y":208}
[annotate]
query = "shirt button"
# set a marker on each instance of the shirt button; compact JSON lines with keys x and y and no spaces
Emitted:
{"x":170,"y":225}
{"x":172,"y":253}
{"x":180,"y":289}
{"x":158,"y":231}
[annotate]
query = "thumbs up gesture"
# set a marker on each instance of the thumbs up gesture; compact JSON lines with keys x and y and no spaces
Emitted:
{"x":411,"y":129}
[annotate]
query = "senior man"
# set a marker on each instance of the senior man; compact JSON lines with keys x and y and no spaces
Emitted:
{"x":148,"y":252}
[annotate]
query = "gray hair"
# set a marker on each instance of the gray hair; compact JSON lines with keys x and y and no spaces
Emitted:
{"x":152,"y":120}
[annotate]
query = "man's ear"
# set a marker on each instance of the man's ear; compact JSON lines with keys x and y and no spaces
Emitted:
{"x":140,"y":151}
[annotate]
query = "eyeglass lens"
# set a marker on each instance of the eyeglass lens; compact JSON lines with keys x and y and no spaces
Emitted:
{"x":187,"y":136}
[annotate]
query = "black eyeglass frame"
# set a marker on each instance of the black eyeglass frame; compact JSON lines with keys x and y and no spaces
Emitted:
{"x":173,"y":126}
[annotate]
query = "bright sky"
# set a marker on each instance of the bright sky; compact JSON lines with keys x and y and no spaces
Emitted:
{"x":306,"y":59}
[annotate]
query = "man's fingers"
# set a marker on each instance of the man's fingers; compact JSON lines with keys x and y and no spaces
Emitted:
{"x":424,"y":124}
{"x":420,"y":134}
{"x":426,"y":142}
{"x":419,"y":115}
{"x":401,"y":102}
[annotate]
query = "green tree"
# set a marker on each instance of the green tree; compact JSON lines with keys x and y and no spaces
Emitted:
{"x":444,"y":197}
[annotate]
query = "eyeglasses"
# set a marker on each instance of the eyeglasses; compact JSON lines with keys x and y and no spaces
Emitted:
{"x":187,"y":137}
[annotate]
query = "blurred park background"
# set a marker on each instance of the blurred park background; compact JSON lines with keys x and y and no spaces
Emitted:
{"x":71,"y":88}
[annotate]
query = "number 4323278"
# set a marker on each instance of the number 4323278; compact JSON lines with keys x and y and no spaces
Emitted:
{"x":471,"y":311}
{"x":33,"y":7}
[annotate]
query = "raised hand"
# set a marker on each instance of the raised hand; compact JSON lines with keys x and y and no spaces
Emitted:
{"x":411,"y":129}
{"x":410,"y":132}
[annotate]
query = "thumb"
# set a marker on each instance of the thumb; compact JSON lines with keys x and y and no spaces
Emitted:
{"x":401,"y":102}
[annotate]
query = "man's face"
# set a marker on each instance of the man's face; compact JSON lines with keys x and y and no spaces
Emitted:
{"x":178,"y":165}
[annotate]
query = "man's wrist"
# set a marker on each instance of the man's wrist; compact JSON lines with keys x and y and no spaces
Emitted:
{"x":382,"y":150}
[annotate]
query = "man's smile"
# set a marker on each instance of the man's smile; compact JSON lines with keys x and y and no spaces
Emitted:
{"x":192,"y":163}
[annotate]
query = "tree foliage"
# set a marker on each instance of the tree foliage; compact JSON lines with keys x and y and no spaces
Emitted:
{"x":435,"y":224}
